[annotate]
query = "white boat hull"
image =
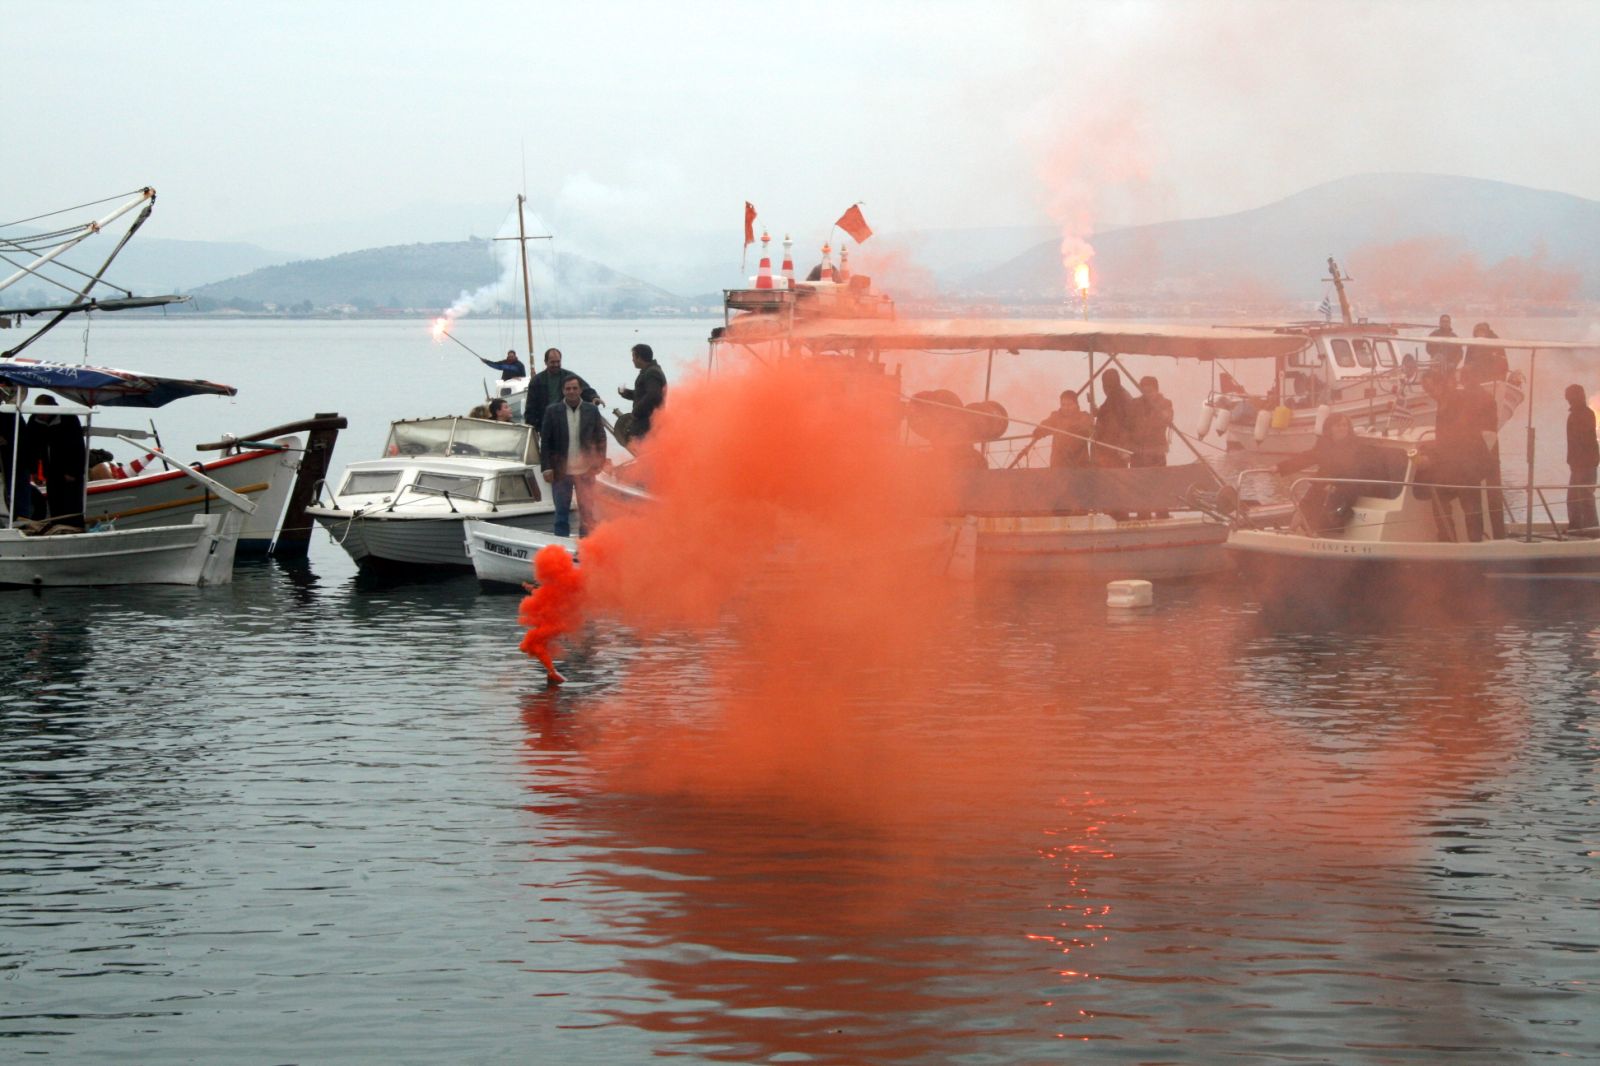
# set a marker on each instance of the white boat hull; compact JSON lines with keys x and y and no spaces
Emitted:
{"x":164,"y":497}
{"x":1097,"y":547}
{"x":414,"y":541}
{"x":199,"y":553}
{"x":503,"y":555}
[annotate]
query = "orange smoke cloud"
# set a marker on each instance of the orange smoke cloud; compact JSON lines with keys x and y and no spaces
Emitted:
{"x":553,"y":609}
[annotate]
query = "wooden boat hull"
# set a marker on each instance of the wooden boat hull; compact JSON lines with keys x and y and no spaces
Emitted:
{"x":164,"y":497}
{"x":1095,"y":547}
{"x":199,"y":553}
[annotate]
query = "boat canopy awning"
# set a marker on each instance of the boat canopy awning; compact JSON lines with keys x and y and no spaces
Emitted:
{"x":1064,"y":335}
{"x":104,"y":386}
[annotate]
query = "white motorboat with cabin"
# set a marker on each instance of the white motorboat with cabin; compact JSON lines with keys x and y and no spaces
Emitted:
{"x":1398,"y":541}
{"x":1367,"y":371}
{"x":410,"y":507}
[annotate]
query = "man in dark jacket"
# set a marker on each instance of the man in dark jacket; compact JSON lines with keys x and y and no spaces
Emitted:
{"x":545,"y":389}
{"x":572,"y":450}
{"x":1458,"y":457}
{"x":649,"y":391}
{"x":58,"y":446}
{"x":1113,"y":423}
{"x":1445,"y":356}
{"x":1583,"y":459}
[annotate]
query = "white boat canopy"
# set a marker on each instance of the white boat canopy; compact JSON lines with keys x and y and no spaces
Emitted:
{"x":1066,"y":335}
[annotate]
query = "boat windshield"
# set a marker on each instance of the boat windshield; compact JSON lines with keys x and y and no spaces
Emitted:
{"x":461,"y":436}
{"x":454,"y":485}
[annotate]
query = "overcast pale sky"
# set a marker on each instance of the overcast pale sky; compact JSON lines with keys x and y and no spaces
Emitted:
{"x":319,"y":126}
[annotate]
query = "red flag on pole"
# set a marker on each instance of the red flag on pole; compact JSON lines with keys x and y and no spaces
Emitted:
{"x":853,"y":223}
{"x":749,"y":233}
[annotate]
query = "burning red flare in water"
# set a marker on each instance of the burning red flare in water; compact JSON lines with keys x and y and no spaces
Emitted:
{"x":553,"y":609}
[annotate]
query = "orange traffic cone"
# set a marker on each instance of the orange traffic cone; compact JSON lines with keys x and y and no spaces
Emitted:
{"x":764,"y":270}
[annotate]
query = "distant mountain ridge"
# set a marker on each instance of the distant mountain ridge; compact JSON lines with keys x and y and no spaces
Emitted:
{"x":432,"y":277}
{"x":1436,"y":223}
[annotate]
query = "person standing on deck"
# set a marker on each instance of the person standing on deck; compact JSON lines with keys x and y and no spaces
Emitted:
{"x":1445,"y":356}
{"x":1113,"y":423}
{"x":649,"y":392}
{"x":1458,"y":457}
{"x":572,"y":450}
{"x":511,"y":367}
{"x":1152,"y":414}
{"x":58,"y":446}
{"x":1583,"y":460}
{"x":1483,"y":365}
{"x":1069,"y":428}
{"x":546,"y":389}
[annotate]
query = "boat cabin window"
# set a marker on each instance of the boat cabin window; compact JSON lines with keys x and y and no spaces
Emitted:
{"x":456,"y":486}
{"x":1385,"y":352}
{"x":1306,"y":357}
{"x":492,"y":440}
{"x":1364,"y":356}
{"x":519,"y":487}
{"x":1341,"y":352}
{"x":368,"y":482}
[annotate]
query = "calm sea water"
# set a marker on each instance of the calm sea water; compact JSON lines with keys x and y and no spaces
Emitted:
{"x":309,"y":818}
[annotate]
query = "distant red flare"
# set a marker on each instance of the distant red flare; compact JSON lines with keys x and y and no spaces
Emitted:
{"x":441,"y":329}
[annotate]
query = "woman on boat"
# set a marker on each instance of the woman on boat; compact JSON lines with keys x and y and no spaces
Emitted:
{"x":1338,"y":454}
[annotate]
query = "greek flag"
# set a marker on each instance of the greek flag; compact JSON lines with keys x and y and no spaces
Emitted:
{"x":1326,"y":307}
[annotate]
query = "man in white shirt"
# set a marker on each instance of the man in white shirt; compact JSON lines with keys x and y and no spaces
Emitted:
{"x":572,"y":450}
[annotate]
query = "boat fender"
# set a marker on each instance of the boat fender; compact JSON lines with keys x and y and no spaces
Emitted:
{"x":1208,"y":414}
{"x":1224,"y":418}
{"x":1263,"y":423}
{"x":1322,"y":418}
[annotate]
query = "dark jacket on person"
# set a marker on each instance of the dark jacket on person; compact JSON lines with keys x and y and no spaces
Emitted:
{"x":1583,"y":449}
{"x":15,"y":436}
{"x":1447,"y":354}
{"x":1460,"y":455}
{"x":512,"y":373}
{"x":58,"y":446}
{"x":1113,"y":425}
{"x":553,"y":438}
{"x":1069,"y":446}
{"x":649,"y":392}
{"x":1482,"y":365}
{"x":1151,"y":417}
{"x":545,"y":389}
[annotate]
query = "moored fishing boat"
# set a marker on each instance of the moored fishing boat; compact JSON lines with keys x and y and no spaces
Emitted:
{"x":1367,"y":371}
{"x":1402,"y":537}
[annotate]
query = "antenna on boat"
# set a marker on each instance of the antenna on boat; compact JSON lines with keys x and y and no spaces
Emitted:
{"x":522,"y":240}
{"x":1338,"y":286}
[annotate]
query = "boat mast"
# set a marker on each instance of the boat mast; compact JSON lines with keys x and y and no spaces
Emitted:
{"x":1338,"y":286}
{"x":527,"y":301}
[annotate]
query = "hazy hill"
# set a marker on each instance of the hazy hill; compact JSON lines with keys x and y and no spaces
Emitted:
{"x":435,"y":276}
{"x":1407,"y":238}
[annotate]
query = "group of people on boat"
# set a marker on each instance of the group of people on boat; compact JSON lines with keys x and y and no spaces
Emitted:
{"x":1121,"y":430}
{"x":565,"y":411}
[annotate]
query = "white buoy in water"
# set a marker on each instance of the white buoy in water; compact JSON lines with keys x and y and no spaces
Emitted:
{"x":1263,"y":423}
{"x":1207,"y":414}
{"x":1129,"y":594}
